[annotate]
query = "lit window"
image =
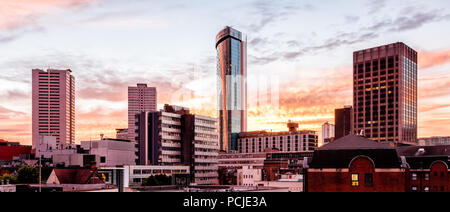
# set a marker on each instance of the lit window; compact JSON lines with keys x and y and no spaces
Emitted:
{"x":414,"y":188}
{"x":355,"y":180}
{"x":426,"y":189}
{"x":427,"y":176}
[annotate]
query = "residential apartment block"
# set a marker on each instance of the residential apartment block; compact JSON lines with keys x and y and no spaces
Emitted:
{"x":173,"y":136}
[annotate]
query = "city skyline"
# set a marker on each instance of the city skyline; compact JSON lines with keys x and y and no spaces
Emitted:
{"x":112,"y":46}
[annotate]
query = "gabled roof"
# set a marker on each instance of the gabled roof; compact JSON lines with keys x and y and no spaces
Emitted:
{"x":342,"y":151}
{"x":77,"y":176}
{"x":354,"y":142}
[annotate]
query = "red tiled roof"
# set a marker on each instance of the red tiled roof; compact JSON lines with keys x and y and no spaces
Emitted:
{"x":77,"y":176}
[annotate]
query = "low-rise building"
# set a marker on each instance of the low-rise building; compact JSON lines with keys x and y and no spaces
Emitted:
{"x":112,"y":152}
{"x":122,"y":134}
{"x":134,"y":175}
{"x":12,"y":150}
{"x":356,"y":164}
{"x":48,"y":146}
{"x":248,"y":176}
{"x":434,"y":141}
{"x":290,"y":141}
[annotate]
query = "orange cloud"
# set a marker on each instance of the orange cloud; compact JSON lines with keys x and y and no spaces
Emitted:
{"x":430,"y":59}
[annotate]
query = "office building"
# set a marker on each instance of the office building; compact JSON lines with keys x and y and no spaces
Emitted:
{"x":231,"y":86}
{"x":53,"y":105}
{"x":385,"y":94}
{"x":173,"y":136}
{"x":140,"y":99}
{"x":343,"y":121}
{"x":289,"y":141}
{"x":328,"y":131}
{"x":434,"y":141}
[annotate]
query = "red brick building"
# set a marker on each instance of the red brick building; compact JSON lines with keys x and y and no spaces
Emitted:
{"x":428,"y":168}
{"x":356,"y":164}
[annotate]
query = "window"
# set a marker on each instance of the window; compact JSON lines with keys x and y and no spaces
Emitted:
{"x":427,"y":176}
{"x":368,"y":180}
{"x":426,"y":189}
{"x":414,"y":176}
{"x":414,"y":188}
{"x":355,"y":180}
{"x":103,"y":159}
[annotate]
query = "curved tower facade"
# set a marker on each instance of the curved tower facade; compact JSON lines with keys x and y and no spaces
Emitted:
{"x":231,"y":86}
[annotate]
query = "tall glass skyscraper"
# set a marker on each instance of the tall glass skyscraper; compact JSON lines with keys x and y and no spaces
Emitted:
{"x":385,"y":93}
{"x":231,"y":86}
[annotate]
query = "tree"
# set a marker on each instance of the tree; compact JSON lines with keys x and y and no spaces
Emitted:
{"x":7,"y":178}
{"x":27,"y":175}
{"x":157,"y":180}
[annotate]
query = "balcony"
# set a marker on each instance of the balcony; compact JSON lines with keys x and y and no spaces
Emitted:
{"x":215,"y":168}
{"x":215,"y":154}
{"x":210,"y":174}
{"x":171,"y":137}
{"x":198,"y":160}
{"x":197,"y":138}
{"x":206,"y":146}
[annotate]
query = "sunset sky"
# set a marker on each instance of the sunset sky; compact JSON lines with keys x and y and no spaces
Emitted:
{"x":303,"y":49}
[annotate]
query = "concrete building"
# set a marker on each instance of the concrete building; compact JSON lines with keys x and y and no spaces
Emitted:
{"x":385,"y":94}
{"x":343,"y":121}
{"x":75,"y":160}
{"x":249,"y":176}
{"x":53,"y":105}
{"x":173,"y":136}
{"x":112,"y":152}
{"x":200,"y":148}
{"x":122,"y":134}
{"x":290,"y":141}
{"x":328,"y":132}
{"x":48,"y":146}
{"x":231,"y":49}
{"x":434,"y":141}
{"x":140,"y":99}
{"x":134,"y":175}
{"x":158,"y":135}
{"x":239,"y":160}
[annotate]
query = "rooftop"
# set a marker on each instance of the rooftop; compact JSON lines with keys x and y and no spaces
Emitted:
{"x":354,"y":142}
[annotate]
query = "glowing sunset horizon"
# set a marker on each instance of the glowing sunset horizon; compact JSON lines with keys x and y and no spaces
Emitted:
{"x":302,"y":49}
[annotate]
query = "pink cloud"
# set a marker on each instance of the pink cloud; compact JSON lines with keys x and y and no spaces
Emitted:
{"x":19,"y":13}
{"x":429,"y":59}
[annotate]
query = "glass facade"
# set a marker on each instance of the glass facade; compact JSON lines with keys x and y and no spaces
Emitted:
{"x":231,"y":86}
{"x":409,"y":99}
